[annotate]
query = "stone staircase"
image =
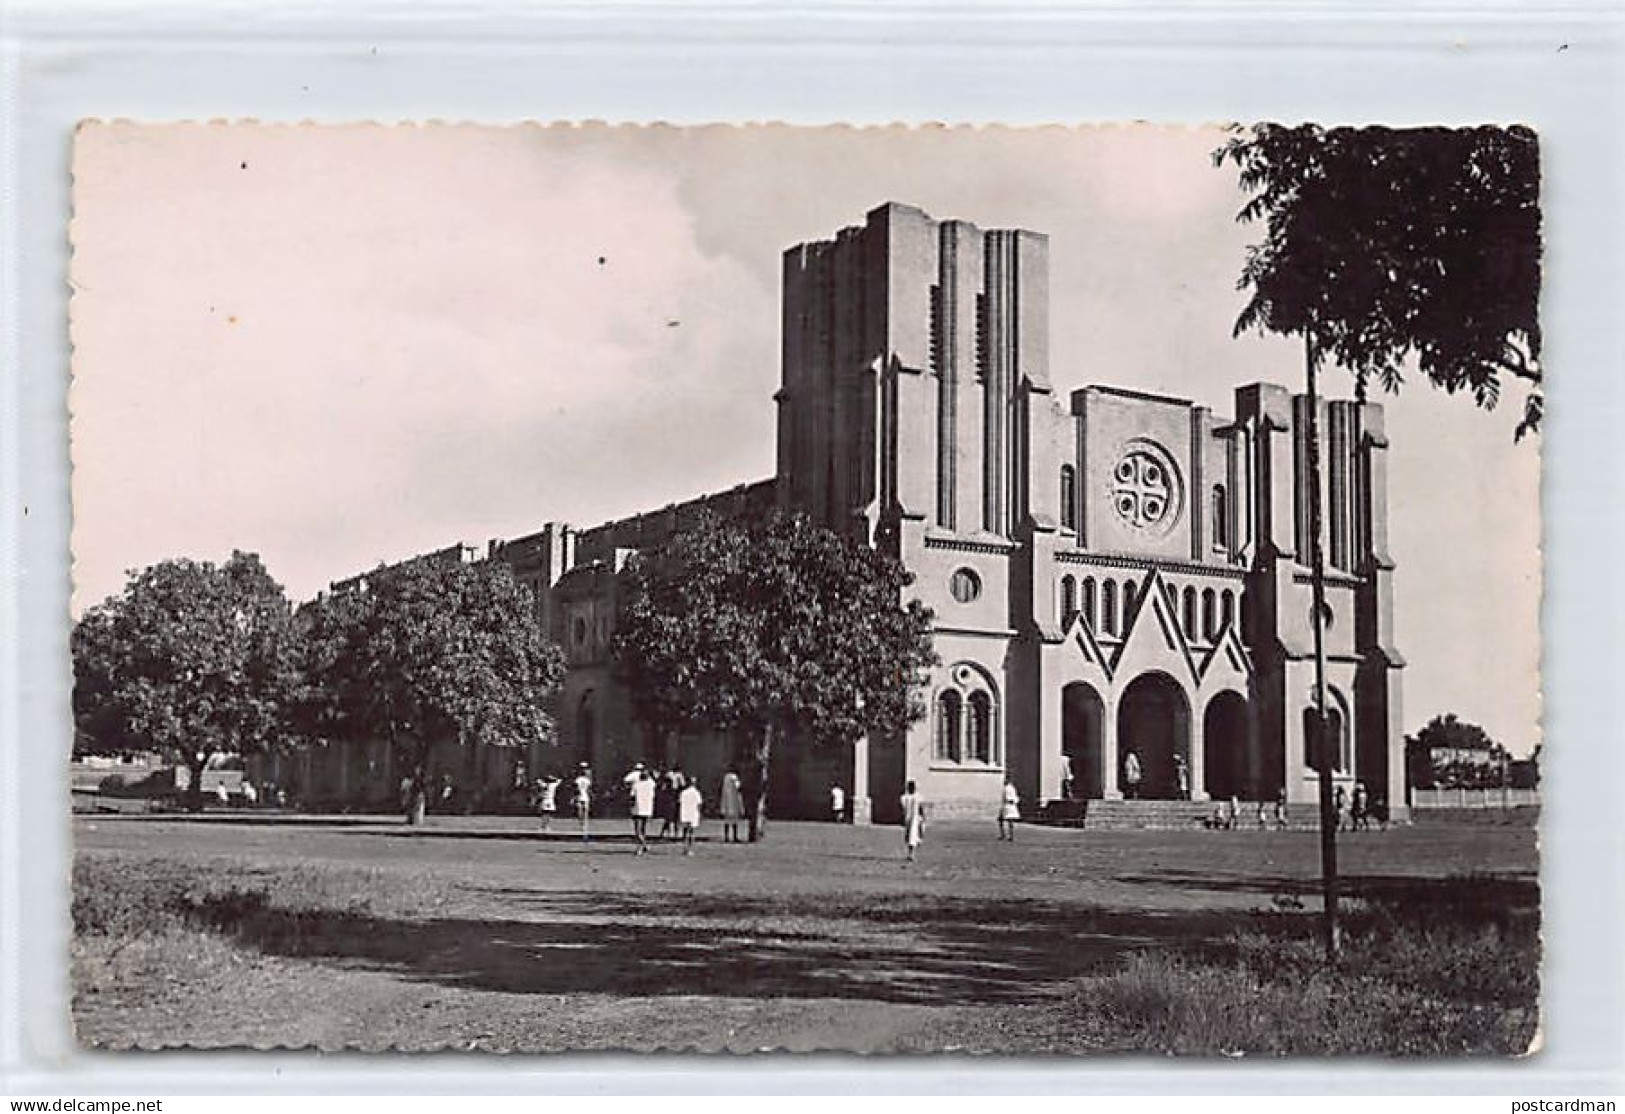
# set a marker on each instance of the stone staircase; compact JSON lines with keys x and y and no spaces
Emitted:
{"x":1160,"y":815}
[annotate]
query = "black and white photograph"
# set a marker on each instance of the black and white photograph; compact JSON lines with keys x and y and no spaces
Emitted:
{"x":1016,"y":590}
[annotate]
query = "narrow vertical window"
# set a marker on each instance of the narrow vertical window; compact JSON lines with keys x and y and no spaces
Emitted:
{"x":1188,"y":600}
{"x":947,"y":733}
{"x":1227,"y":608}
{"x":1108,"y":607}
{"x":1069,"y":600}
{"x":1221,"y":519}
{"x":981,"y":728}
{"x":1210,"y":615}
{"x":1069,"y":498}
{"x":1089,"y":615}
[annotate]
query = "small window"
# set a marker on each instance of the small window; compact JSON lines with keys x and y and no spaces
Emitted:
{"x":1108,"y":607}
{"x":1221,"y":520}
{"x":1089,"y":601}
{"x":1069,"y":600}
{"x":965,"y":586}
{"x":946,"y":744}
{"x":1188,"y":600}
{"x":1210,"y":614}
{"x":980,"y":748}
{"x":1069,"y":498}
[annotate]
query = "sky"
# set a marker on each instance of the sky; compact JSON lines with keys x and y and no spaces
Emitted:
{"x":336,"y":346}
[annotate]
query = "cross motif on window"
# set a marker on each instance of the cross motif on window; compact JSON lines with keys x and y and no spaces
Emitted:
{"x":1140,"y":490}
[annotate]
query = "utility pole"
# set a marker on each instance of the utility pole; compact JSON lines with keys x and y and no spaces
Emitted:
{"x":1319,"y":745}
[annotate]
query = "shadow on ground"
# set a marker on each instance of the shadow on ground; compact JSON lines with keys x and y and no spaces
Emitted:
{"x":928,"y":952}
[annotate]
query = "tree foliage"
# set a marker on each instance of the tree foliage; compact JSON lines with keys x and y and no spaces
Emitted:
{"x":1445,"y":754}
{"x":190,"y":660}
{"x":1383,"y":245}
{"x":426,"y":652}
{"x":779,"y":629}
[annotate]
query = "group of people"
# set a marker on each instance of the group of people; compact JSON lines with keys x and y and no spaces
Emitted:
{"x":667,"y":795}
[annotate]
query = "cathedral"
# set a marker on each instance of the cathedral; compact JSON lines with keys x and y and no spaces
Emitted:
{"x":1119,"y":579}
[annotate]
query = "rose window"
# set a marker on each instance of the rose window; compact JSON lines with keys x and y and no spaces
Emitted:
{"x":1142,"y":490}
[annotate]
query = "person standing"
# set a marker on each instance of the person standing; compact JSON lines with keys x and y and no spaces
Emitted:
{"x":1131,"y":775}
{"x":582,"y":791}
{"x":731,"y":804}
{"x":547,"y":799}
{"x":1009,"y":812}
{"x":913,"y":819}
{"x":1182,"y":777}
{"x":1360,"y":808}
{"x":251,"y":796}
{"x":688,"y":815}
{"x":643,"y":806}
{"x":1340,"y":808}
{"x":837,"y":803}
{"x":1066,"y":776}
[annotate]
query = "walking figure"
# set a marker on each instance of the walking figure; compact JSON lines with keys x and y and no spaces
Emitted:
{"x":731,"y":804}
{"x":1009,"y":812}
{"x":547,"y":799}
{"x":643,"y":805}
{"x":688,"y":815}
{"x":583,"y":799}
{"x":913,"y":820}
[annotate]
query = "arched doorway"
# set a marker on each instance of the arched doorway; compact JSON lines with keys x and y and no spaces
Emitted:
{"x":1224,"y":746}
{"x":1153,"y":722}
{"x":1083,"y":716}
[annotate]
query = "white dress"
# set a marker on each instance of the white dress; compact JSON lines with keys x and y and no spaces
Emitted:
{"x":1011,"y":810}
{"x":913,"y":820}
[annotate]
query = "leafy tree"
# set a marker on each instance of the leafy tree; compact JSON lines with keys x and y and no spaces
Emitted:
{"x":1386,"y":244}
{"x":778,"y":630}
{"x":430,"y":651}
{"x":191,"y":660}
{"x":1452,"y":737}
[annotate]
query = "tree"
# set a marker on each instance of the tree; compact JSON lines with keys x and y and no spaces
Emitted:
{"x":1383,"y":245}
{"x":430,"y":651}
{"x":191,"y":660}
{"x":778,"y":630}
{"x":1453,"y":753}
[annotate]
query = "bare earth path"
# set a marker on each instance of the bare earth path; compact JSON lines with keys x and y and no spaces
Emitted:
{"x":483,"y":933}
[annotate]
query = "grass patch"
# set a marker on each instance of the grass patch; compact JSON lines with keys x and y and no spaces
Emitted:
{"x":1432,"y":966}
{"x":1451,"y":970}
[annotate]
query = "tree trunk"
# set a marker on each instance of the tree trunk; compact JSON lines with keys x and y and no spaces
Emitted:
{"x":758,"y":812}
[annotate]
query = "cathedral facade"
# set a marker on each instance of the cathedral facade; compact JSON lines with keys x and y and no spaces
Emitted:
{"x":1112,"y":573}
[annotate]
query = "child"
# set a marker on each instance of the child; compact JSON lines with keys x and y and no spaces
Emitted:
{"x":688,"y":815}
{"x":837,"y":803}
{"x":1009,"y":812}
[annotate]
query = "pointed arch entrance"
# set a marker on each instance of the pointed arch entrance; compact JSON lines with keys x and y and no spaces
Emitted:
{"x":1083,"y":722}
{"x":1224,"y":746}
{"x":1154,"y":723}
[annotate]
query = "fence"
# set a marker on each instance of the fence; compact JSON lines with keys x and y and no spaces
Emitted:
{"x":1474,"y":798}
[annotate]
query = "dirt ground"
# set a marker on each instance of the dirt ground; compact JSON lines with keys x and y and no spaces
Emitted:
{"x":483,"y":933}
